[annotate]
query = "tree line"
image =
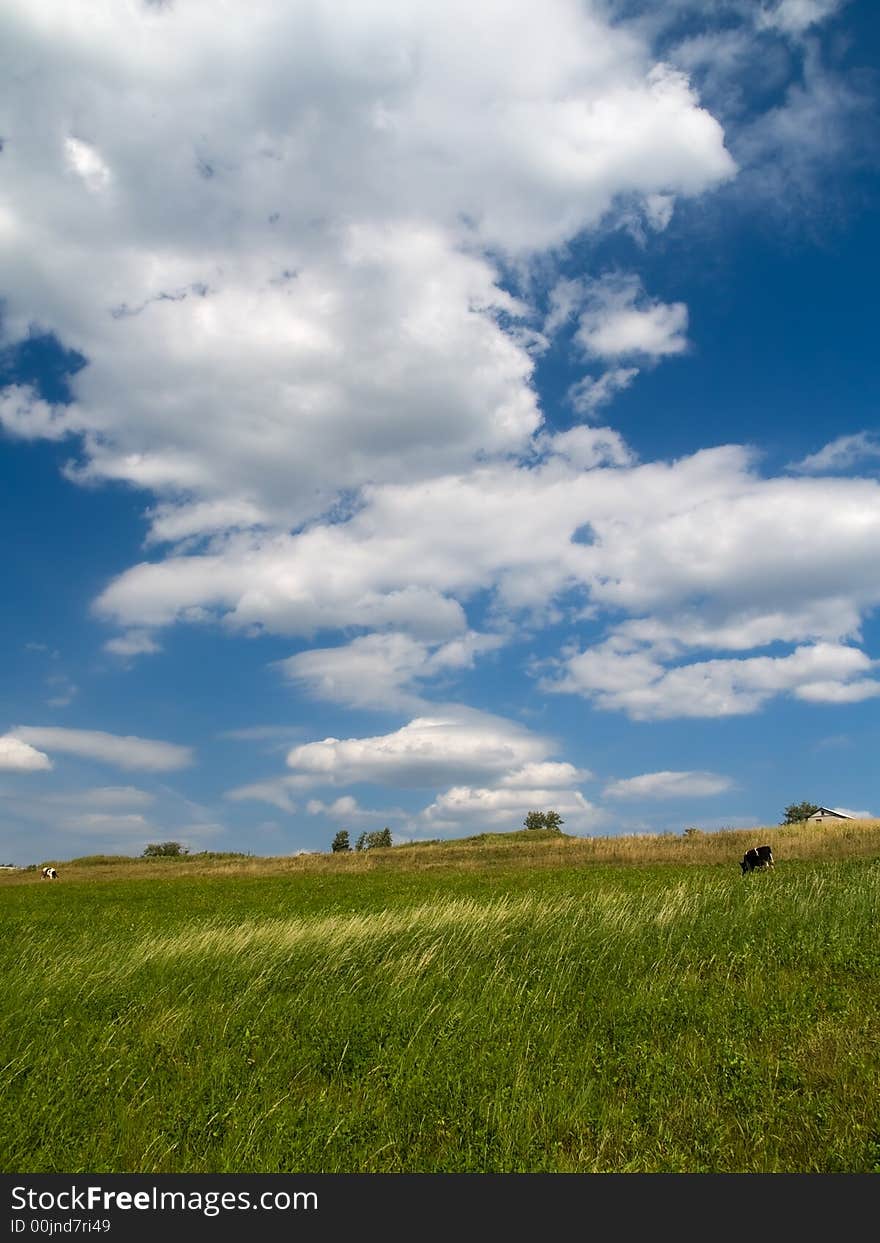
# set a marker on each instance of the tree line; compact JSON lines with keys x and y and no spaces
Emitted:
{"x":548,"y":821}
{"x":367,"y":841}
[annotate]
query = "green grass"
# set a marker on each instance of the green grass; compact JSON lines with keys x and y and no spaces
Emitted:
{"x":558,"y":1018}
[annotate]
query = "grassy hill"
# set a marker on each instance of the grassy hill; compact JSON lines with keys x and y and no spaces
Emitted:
{"x":522,"y":848}
{"x":493,"y":1004}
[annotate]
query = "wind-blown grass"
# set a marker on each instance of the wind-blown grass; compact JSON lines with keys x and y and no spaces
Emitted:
{"x":601,"y":1018}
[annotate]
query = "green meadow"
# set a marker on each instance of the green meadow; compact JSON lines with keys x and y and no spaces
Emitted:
{"x":449,"y":1009}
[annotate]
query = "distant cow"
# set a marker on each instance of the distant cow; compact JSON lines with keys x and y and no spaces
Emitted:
{"x":49,"y":873}
{"x":758,"y":857}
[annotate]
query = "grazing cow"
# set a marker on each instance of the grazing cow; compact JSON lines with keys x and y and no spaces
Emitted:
{"x":49,"y":873}
{"x":758,"y":858}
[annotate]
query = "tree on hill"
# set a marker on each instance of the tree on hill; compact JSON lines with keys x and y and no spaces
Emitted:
{"x":796,"y":812}
{"x":549,"y":821}
{"x":166,"y":850}
{"x":367,"y":841}
{"x":340,"y":842}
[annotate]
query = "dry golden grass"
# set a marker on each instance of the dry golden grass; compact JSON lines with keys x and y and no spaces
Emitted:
{"x":848,"y":839}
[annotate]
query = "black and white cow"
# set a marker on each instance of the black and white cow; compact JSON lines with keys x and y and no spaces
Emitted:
{"x":49,"y":873}
{"x":758,"y":858}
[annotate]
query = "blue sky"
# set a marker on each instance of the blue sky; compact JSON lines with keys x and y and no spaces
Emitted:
{"x":416,"y":415}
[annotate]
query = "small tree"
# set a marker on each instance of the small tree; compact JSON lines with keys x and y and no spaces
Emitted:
{"x":549,"y":821}
{"x":165,"y":850}
{"x":368,"y":841}
{"x":341,"y":842}
{"x":796,"y":812}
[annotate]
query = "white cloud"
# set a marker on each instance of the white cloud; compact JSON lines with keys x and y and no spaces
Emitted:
{"x":841,"y":454}
{"x":465,"y":807}
{"x":347,"y":808}
{"x":20,"y":757}
{"x":620,"y":321}
{"x":104,"y":796}
{"x":123,"y":751}
{"x":427,"y":752}
{"x":380,"y":670}
{"x":172,"y":523}
{"x":796,"y":16}
{"x":808,"y":123}
{"x":615,"y":320}
{"x":305,"y":301}
{"x":823,"y":125}
{"x":456,"y":743}
{"x":701,"y":552}
{"x":343,"y":806}
{"x":274,"y":791}
{"x":86,"y":162}
{"x":639,"y":685}
{"x":108,"y":822}
{"x":585,"y":448}
{"x":591,"y":393}
{"x":838,"y":692}
{"x":668,"y":785}
{"x":300,"y":342}
{"x":133,"y":643}
{"x":548,"y":774}
{"x":25,"y":415}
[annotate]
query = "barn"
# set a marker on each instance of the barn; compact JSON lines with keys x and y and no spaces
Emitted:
{"x":828,"y":813}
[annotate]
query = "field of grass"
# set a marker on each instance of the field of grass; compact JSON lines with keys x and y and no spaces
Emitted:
{"x":494,"y":1006}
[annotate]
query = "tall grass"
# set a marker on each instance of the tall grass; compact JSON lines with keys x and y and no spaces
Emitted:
{"x":391,"y":1019}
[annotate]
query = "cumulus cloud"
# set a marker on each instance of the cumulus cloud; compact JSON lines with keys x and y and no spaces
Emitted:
{"x":641,"y":686}
{"x":616,"y":320}
{"x":17,"y":756}
{"x":457,"y":742}
{"x":838,"y":692}
{"x":380,"y":670}
{"x":492,"y":768}
{"x":701,"y":552}
{"x":314,"y":280}
{"x":668,"y":785}
{"x":549,"y":774}
{"x":122,"y":751}
{"x":620,"y":321}
{"x":463,"y":807}
{"x":313,"y":340}
{"x":24,"y":415}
